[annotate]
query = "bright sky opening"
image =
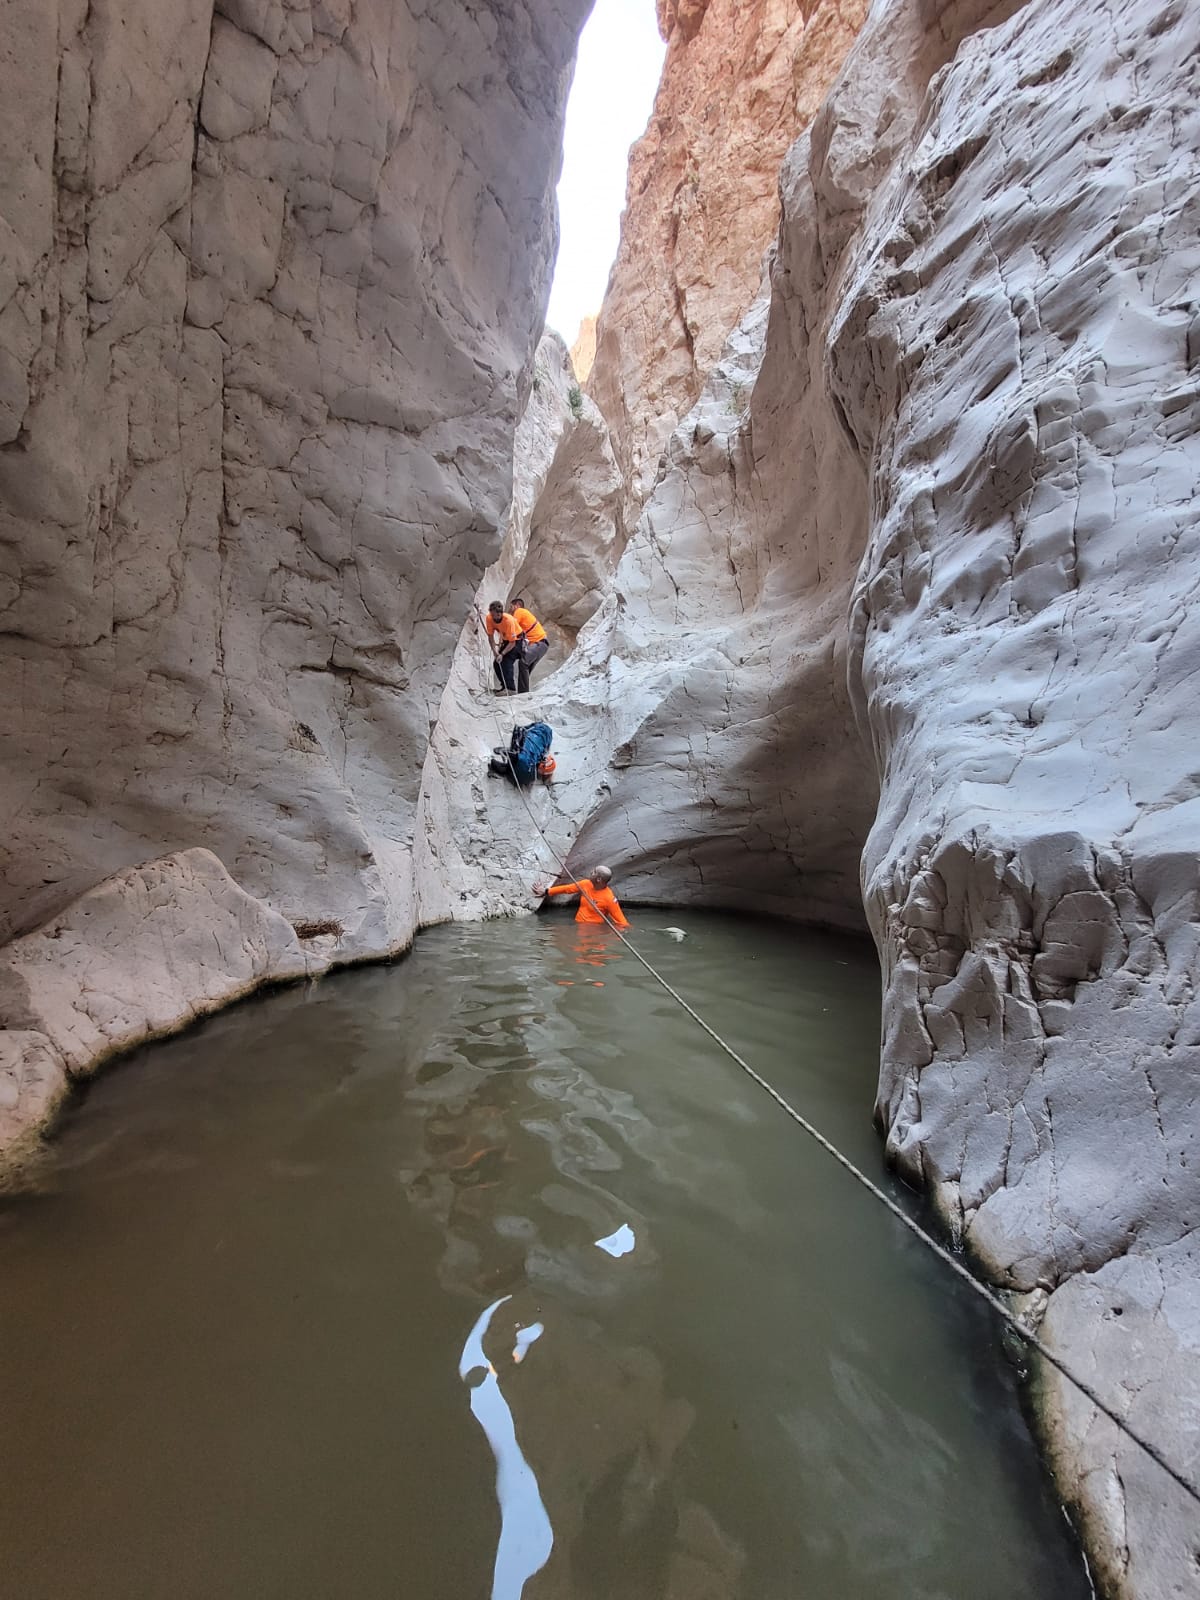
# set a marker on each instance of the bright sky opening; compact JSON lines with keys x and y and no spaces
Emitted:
{"x":620,"y":62}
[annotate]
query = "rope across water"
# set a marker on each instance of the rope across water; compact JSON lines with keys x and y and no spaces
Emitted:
{"x":1176,"y":1474}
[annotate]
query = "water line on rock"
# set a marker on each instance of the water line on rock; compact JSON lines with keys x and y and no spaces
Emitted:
{"x":1011,"y":1320}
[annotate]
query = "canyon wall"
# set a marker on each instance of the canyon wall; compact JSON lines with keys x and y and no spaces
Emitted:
{"x":270,"y":282}
{"x":741,"y":79}
{"x":1016,"y":352}
{"x":915,"y":575}
{"x":476,"y":851}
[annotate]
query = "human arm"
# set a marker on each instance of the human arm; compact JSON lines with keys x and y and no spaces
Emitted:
{"x":557,"y":888}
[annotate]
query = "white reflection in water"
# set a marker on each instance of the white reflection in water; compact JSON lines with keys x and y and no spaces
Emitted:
{"x":526,"y":1337}
{"x":619,"y":1243}
{"x":526,"y":1537}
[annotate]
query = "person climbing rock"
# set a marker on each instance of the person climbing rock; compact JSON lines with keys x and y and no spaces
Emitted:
{"x":510,"y":652}
{"x":597,"y":902}
{"x":536,"y":642}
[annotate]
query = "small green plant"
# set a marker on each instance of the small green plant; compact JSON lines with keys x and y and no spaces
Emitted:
{"x":575,"y":401}
{"x":738,"y":399}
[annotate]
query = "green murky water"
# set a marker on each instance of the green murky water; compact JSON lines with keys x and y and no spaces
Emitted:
{"x":237,"y":1295}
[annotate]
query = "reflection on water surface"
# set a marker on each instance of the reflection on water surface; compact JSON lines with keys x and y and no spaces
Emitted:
{"x":309,"y":1303}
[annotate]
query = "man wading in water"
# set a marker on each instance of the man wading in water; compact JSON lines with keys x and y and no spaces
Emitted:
{"x":597,"y":902}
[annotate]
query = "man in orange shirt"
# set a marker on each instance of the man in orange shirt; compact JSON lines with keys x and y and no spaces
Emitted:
{"x":510,"y":654}
{"x":597,"y":902}
{"x":536,"y":642}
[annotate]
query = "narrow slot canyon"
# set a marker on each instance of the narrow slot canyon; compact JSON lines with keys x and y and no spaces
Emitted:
{"x":861,"y":521}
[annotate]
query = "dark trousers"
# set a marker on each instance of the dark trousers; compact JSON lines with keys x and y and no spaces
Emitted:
{"x":507,"y":668}
{"x":533,"y":654}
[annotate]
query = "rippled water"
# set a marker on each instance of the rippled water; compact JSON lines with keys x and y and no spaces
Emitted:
{"x":286,"y":1289}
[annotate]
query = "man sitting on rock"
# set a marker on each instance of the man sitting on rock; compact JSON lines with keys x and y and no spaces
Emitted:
{"x":597,"y":902}
{"x":510,"y":654}
{"x":536,"y":642}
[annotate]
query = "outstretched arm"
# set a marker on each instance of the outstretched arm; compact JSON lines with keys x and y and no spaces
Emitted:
{"x":556,"y":888}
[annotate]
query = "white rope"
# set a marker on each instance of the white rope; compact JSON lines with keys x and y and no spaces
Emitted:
{"x":955,"y":1265}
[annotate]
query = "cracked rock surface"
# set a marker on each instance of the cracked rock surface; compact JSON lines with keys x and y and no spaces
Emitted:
{"x":1014,"y":347}
{"x":271,"y":276}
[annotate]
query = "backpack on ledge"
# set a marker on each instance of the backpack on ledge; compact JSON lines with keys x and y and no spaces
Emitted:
{"x":527,"y":756}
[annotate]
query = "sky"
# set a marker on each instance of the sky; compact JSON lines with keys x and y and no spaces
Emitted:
{"x":620,"y":60}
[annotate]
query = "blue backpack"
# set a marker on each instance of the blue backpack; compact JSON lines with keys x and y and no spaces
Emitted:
{"x":530,"y":743}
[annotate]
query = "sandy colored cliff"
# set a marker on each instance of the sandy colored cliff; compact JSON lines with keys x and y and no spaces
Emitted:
{"x":741,"y":80}
{"x":583,"y":351}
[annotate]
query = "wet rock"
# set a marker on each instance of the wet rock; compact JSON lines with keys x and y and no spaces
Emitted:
{"x":33,"y":1082}
{"x":126,"y":961}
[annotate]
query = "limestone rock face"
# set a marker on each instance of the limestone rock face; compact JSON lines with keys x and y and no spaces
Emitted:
{"x":577,"y":526}
{"x":1015,"y":348}
{"x":270,"y":281}
{"x":736,"y":776}
{"x":740,"y":81}
{"x":549,"y":414}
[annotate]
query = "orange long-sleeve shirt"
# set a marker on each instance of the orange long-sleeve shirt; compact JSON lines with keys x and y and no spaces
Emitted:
{"x":605,"y":900}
